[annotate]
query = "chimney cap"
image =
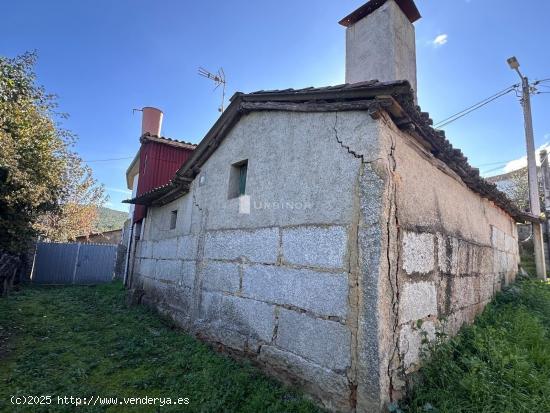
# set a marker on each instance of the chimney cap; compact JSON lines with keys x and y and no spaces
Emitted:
{"x":407,"y":6}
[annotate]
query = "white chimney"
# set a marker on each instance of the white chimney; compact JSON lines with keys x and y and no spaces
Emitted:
{"x":151,"y":122}
{"x":380,"y":42}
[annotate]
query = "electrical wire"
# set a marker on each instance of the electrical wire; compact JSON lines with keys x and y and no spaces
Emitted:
{"x":484,"y":102}
{"x":474,"y":107}
{"x":109,"y":159}
{"x":493,"y":163}
{"x":470,"y":107}
{"x":494,"y":169}
{"x":505,"y":162}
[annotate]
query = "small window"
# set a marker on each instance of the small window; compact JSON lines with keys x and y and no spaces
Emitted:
{"x":173,"y":219}
{"x":237,"y":179}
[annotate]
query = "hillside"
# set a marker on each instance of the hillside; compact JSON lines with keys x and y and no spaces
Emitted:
{"x":110,"y":219}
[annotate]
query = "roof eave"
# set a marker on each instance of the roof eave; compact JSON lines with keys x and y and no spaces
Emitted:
{"x":147,"y":137}
{"x":161,"y":195}
{"x":395,"y":97}
{"x":528,"y":217}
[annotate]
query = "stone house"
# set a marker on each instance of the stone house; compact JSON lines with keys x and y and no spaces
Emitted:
{"x":312,"y":230}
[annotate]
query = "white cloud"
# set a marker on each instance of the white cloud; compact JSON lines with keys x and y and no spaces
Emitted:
{"x":440,"y":40}
{"x":519,"y":163}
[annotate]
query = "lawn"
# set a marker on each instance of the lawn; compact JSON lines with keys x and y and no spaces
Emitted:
{"x":85,"y":342}
{"x":500,"y":364}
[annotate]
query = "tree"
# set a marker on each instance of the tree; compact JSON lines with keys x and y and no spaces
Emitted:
{"x":518,"y":189}
{"x":45,"y":188}
{"x":78,"y":204}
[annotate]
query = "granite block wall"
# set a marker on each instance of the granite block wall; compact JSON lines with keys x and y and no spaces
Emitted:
{"x":279,"y":295}
{"x":450,"y":249}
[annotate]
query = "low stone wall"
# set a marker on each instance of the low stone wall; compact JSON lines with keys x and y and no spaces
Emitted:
{"x":280,"y":295}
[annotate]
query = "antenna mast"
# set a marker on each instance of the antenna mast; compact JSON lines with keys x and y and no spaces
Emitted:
{"x":218,"y":79}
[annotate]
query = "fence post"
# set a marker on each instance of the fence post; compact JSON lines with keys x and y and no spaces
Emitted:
{"x":76,"y":262}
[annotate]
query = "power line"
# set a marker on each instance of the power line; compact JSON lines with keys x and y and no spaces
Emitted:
{"x":503,"y":164}
{"x":475,"y":106}
{"x":492,"y":163}
{"x":484,"y":102}
{"x":109,"y":159}
{"x":470,"y":107}
{"x":493,"y":169}
{"x":479,"y":106}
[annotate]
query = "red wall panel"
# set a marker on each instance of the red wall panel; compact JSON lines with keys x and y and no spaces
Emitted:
{"x":157,"y":165}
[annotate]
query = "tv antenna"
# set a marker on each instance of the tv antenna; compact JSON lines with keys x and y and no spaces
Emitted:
{"x":218,"y":79}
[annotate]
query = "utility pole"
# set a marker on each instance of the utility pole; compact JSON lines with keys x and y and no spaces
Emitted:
{"x":545,"y":172}
{"x":534,"y":201}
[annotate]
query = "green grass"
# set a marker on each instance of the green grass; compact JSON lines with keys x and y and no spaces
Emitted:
{"x":528,"y":263}
{"x":500,"y":364}
{"x":82,"y":341}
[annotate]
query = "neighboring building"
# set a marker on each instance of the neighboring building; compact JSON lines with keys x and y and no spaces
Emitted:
{"x":106,"y":237}
{"x":509,"y":181}
{"x":505,"y":181}
{"x":156,"y":161}
{"x":515,"y":185}
{"x":323,"y":232}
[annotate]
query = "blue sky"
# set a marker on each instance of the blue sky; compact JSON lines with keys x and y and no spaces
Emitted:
{"x":104,"y":58}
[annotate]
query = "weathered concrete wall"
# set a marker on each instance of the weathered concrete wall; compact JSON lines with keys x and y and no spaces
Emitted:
{"x":279,"y":284}
{"x":381,"y":46}
{"x":358,"y":243}
{"x":452,"y":251}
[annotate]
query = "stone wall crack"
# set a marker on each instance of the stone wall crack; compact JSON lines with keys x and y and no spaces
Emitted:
{"x":354,"y":274}
{"x":195,"y":202}
{"x":346,"y":147}
{"x":393,"y":275}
